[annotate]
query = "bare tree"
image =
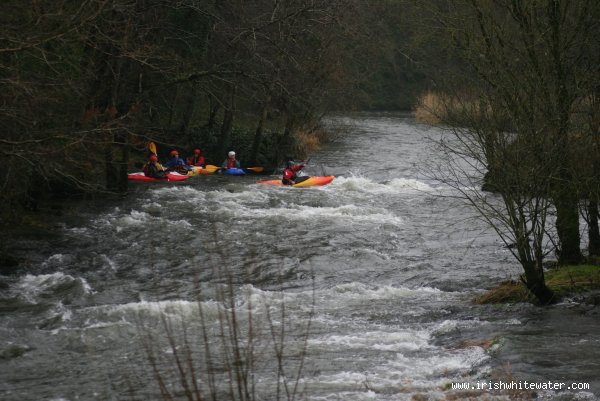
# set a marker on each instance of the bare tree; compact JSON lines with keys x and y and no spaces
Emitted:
{"x":525,"y":65}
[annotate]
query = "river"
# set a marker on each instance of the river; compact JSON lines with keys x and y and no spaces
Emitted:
{"x":365,"y":286}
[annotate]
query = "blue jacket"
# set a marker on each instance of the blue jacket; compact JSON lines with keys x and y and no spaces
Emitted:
{"x":177,"y":162}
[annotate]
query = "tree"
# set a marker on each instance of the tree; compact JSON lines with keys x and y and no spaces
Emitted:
{"x":84,"y":84}
{"x":525,"y":65}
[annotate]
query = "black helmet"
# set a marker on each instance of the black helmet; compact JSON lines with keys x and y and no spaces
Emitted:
{"x":289,"y":164}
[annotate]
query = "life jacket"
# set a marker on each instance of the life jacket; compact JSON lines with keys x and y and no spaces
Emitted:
{"x":231,"y":163}
{"x":196,"y":161}
{"x":154,"y":171}
{"x":289,"y":174}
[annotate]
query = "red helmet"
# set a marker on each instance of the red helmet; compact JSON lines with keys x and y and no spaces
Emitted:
{"x":174,"y":153}
{"x":153,"y":158}
{"x":197,"y":151}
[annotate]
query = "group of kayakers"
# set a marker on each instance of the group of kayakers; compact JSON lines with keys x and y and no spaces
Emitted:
{"x":175,"y":163}
{"x":156,"y":170}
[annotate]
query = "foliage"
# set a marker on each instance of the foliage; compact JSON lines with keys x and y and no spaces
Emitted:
{"x":84,"y":85}
{"x":564,"y":282}
{"x":511,"y":96}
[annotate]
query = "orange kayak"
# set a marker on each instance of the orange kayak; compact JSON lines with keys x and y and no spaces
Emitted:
{"x":310,"y":182}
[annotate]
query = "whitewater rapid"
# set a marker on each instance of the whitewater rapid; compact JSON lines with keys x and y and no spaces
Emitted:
{"x":372,"y":279}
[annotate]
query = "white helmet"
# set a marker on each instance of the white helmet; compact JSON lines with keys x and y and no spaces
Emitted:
{"x":231,"y":153}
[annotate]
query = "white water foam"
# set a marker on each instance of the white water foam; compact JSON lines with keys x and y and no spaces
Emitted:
{"x":395,"y":186}
{"x":134,"y":220}
{"x":348,"y":213}
{"x":58,"y":261}
{"x":397,"y":341}
{"x":109,"y":262}
{"x":31,"y":287}
{"x":412,"y":374}
{"x":173,"y":308}
{"x":365,"y":292}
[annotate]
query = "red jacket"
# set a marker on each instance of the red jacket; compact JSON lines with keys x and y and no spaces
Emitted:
{"x":230,"y":163}
{"x":196,"y":161}
{"x":289,"y":174}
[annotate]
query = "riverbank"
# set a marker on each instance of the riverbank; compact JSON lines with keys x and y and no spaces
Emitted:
{"x":568,"y":281}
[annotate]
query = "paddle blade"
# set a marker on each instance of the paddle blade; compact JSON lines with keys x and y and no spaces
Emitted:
{"x":256,"y":169}
{"x":152,"y":148}
{"x":211,"y":168}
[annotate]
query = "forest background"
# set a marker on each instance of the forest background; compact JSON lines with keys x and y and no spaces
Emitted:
{"x":85,"y":86}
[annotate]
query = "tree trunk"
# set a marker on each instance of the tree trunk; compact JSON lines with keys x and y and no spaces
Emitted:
{"x":123,"y":181}
{"x":188,"y":113}
{"x":225,"y":139}
{"x":593,"y":229}
{"x":535,"y":283}
{"x":285,"y":142}
{"x":258,"y":135}
{"x":212,"y":116}
{"x":567,"y":227}
{"x":566,"y":199}
{"x":111,"y":172}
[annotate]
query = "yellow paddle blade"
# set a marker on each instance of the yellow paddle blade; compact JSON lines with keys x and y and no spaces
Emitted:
{"x":210,"y":167}
{"x":256,"y":169}
{"x":152,"y":148}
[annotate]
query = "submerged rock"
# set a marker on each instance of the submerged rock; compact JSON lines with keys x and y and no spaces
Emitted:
{"x":14,"y":351}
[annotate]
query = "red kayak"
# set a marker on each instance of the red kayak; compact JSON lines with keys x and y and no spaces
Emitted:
{"x":170,"y":177}
{"x":310,"y":182}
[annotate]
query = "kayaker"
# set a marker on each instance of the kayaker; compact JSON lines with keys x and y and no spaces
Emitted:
{"x":290,"y":176}
{"x":175,"y":163}
{"x":154,"y":169}
{"x":197,"y":159}
{"x":231,"y":161}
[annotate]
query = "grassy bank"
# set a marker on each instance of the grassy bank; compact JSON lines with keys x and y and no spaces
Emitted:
{"x":565,"y":281}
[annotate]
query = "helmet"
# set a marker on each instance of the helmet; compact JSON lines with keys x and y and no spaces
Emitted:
{"x":289,"y":164}
{"x":197,"y":151}
{"x":174,"y":153}
{"x":153,"y":158}
{"x":231,"y":154}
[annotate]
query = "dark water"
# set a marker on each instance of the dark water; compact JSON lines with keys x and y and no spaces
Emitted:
{"x":383,"y":263}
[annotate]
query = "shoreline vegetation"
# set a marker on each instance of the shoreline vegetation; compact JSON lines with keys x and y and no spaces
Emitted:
{"x":565,"y":281}
{"x":257,"y":79}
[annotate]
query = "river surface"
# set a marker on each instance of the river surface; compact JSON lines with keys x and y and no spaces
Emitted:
{"x":364,"y":286}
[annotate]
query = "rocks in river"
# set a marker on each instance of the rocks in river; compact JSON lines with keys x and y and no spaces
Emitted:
{"x":592,"y":298}
{"x":14,"y":351}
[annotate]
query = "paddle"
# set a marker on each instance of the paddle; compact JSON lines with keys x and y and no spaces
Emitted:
{"x":152,"y":148}
{"x":213,"y":168}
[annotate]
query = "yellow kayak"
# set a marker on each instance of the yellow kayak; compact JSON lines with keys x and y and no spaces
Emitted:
{"x":208,"y":169}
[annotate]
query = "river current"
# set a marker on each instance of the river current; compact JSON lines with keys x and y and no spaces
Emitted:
{"x":365,"y":286}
